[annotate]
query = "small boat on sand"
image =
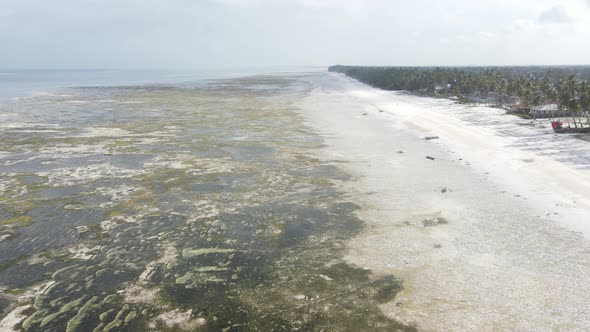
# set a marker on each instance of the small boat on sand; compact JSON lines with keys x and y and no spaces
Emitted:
{"x":560,"y":129}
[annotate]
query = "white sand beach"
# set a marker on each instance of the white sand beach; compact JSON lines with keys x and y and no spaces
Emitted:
{"x":491,"y":235}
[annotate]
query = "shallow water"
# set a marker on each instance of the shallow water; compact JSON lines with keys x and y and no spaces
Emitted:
{"x":197,"y":207}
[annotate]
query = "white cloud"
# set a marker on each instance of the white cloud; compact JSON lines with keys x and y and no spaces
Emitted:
{"x":556,"y":14}
{"x":315,"y":4}
{"x":487,"y":35}
{"x":197,"y":33}
{"x":6,"y":13}
{"x":523,"y":25}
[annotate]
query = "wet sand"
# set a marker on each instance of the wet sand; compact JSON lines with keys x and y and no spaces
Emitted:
{"x":492,"y":234}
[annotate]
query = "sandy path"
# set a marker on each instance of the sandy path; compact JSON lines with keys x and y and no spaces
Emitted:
{"x":512,"y":252}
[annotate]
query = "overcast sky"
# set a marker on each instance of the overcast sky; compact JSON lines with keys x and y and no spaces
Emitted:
{"x":218,"y":33}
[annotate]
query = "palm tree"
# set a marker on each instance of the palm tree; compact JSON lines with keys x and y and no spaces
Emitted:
{"x":546,"y":89}
{"x":584,"y":100}
{"x":502,"y":87}
{"x":567,"y":94}
{"x":572,"y":94}
{"x":524,"y":91}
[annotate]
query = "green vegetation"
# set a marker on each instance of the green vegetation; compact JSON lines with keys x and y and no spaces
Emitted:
{"x":527,"y":86}
{"x":11,"y":262}
{"x":21,"y":221}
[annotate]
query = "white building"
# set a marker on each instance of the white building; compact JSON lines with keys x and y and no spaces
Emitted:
{"x":544,"y":111}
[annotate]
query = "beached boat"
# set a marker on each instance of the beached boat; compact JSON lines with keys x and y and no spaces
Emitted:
{"x":560,"y":129}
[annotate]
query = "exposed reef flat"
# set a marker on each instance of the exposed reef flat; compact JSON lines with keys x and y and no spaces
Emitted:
{"x":177,"y":208}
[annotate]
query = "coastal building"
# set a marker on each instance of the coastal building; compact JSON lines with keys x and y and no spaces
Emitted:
{"x":544,"y":111}
{"x":519,"y":108}
{"x":441,"y":87}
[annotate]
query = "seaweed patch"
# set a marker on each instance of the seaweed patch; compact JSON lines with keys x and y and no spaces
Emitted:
{"x":197,"y":209}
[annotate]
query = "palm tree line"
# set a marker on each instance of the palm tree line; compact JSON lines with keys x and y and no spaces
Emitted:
{"x":527,"y":85}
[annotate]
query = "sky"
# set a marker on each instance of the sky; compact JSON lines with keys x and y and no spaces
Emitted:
{"x":237,"y":33}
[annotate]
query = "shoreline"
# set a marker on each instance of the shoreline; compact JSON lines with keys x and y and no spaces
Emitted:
{"x":486,"y":236}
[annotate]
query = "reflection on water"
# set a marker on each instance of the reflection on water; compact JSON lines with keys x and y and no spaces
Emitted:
{"x":187,"y":208}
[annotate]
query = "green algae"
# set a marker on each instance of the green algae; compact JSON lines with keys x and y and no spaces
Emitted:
{"x":130,"y":316}
{"x":107,"y":315}
{"x":185,"y":278}
{"x":6,"y":264}
{"x":187,"y":253}
{"x":20,"y":221}
{"x":210,"y":269}
{"x":258,"y":222}
{"x":76,"y":323}
{"x":14,"y":291}
{"x":191,"y":279}
{"x":64,"y":310}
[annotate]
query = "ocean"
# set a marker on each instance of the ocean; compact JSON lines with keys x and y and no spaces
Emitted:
{"x":23,"y":83}
{"x":174,"y":201}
